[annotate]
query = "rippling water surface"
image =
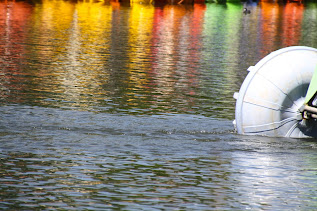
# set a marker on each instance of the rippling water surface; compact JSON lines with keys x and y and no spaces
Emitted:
{"x":129,"y":106}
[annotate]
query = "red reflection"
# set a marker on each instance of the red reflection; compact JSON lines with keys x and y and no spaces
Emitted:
{"x":292,"y":20}
{"x":176,"y":39}
{"x":196,"y":28}
{"x":13,"y":19}
{"x":280,"y":25}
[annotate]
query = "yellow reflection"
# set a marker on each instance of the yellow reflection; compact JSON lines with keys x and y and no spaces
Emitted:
{"x":146,"y":2}
{"x":87,"y":50}
{"x":51,"y":21}
{"x":140,"y":32}
{"x":82,"y":34}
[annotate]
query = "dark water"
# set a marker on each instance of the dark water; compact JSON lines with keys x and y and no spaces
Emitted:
{"x":109,"y":106}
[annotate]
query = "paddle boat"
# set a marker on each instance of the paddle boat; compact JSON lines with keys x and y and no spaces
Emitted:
{"x":278,"y":98}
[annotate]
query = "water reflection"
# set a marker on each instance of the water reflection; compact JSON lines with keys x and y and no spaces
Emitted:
{"x":221,"y":54}
{"x":308,"y":25}
{"x":175,"y":56}
{"x":281,"y":26}
{"x":13,"y":19}
{"x":140,"y":58}
{"x":277,"y":168}
{"x":66,"y":159}
{"x":292,"y":22}
{"x":139,"y":54}
{"x":116,"y":59}
{"x":135,"y":183}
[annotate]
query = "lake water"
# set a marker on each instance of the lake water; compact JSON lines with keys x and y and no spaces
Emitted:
{"x":129,"y":107}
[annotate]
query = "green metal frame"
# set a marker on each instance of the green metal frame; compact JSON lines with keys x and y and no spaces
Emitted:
{"x":312,"y":89}
{"x":308,"y":110}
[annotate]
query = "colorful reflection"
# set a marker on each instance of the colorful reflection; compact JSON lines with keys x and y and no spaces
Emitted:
{"x":175,"y":55}
{"x":281,"y":25}
{"x":123,"y":57}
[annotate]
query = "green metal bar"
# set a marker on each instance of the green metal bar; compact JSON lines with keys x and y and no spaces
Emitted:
{"x":312,"y":89}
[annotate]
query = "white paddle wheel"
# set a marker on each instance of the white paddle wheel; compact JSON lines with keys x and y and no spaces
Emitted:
{"x":277,"y":98}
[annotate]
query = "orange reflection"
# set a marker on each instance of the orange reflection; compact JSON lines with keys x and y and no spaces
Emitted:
{"x":292,"y":22}
{"x":269,"y":22}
